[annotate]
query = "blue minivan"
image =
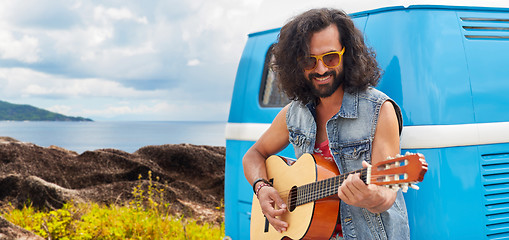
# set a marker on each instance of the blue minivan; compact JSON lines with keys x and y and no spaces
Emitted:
{"x":447,"y":66}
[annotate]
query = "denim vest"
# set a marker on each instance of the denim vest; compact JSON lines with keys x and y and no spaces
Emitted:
{"x":351,"y":132}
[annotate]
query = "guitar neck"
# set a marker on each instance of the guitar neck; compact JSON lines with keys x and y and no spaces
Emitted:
{"x":325,"y":188}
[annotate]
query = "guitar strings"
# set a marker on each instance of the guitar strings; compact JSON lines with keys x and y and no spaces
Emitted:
{"x":324,"y":191}
{"x":339,"y":177}
{"x":332,"y":187}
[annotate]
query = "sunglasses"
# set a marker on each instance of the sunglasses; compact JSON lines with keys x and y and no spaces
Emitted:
{"x":330,"y":60}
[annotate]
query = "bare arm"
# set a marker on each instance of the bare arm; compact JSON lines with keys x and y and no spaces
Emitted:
{"x":272,"y":141}
{"x":375,"y":198}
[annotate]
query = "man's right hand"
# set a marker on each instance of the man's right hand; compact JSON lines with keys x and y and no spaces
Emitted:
{"x":272,"y":207}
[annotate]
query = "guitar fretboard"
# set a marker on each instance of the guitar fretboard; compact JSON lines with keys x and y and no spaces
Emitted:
{"x":324,"y":188}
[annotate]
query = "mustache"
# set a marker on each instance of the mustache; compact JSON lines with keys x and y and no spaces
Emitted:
{"x":316,"y":75}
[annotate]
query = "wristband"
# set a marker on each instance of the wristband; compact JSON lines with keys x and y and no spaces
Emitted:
{"x":260,"y":187}
{"x":260,"y":180}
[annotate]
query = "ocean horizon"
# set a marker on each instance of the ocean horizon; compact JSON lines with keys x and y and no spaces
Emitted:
{"x":127,"y":136}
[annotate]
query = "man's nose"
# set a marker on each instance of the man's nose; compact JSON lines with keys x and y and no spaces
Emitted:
{"x":321,"y":68}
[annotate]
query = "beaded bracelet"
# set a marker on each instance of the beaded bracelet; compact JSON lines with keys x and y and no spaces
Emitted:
{"x":260,"y":187}
{"x":260,"y":180}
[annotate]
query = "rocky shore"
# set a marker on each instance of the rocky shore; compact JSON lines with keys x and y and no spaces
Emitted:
{"x":192,"y":177}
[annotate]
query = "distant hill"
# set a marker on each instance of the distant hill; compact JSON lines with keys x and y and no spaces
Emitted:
{"x":18,"y":112}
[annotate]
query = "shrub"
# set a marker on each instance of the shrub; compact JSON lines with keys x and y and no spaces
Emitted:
{"x":145,"y":217}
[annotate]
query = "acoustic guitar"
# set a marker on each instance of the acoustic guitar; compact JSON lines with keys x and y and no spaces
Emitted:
{"x":310,"y":186}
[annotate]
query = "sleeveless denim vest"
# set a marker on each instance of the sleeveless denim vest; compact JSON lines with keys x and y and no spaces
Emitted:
{"x":351,"y":132}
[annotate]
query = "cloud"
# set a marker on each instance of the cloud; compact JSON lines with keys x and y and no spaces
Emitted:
{"x":33,"y":15}
{"x":24,"y":48}
{"x":157,"y":110}
{"x":94,"y":55}
{"x":193,"y":62}
{"x":31,"y":84}
{"x":117,"y":14}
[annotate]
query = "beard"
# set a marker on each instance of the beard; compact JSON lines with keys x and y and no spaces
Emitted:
{"x":325,"y":90}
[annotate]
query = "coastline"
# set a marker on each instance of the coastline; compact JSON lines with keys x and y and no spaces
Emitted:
{"x":123,"y":135}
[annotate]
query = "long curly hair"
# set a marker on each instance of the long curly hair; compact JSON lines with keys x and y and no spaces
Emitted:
{"x":360,"y":67}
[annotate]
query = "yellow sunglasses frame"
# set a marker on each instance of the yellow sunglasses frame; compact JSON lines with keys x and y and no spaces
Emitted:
{"x":320,"y":58}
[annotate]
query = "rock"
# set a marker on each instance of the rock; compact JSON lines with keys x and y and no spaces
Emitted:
{"x":9,"y":231}
{"x":192,"y":176}
{"x":41,"y":194}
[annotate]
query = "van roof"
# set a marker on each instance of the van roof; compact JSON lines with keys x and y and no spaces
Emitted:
{"x":274,"y":14}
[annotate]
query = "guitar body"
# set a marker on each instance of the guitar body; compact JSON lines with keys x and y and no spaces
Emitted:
{"x":314,"y":220}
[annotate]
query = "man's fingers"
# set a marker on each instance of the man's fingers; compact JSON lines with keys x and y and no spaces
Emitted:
{"x":278,"y":224}
{"x":344,"y":192}
{"x":357,"y":183}
{"x":275,"y":203}
{"x":272,"y":216}
{"x":272,"y":207}
{"x":279,"y":202}
{"x":365,"y":164}
{"x":351,"y":188}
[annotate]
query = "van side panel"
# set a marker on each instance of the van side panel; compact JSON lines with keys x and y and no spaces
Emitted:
{"x":447,"y":205}
{"x":426,"y":72}
{"x":440,"y":73}
{"x":486,"y":41}
{"x":485,"y":37}
{"x":495,"y":182}
{"x":237,"y":209}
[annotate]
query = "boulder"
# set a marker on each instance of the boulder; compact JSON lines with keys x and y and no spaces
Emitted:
{"x":9,"y":231}
{"x":192,"y":176}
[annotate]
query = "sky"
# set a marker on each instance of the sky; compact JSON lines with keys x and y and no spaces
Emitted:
{"x":123,"y":60}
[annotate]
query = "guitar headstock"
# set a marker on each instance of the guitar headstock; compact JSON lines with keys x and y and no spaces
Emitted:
{"x":401,"y":171}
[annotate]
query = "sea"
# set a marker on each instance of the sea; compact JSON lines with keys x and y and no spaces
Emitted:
{"x":127,"y":136}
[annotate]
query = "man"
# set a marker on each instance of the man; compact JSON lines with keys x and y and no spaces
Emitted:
{"x":329,"y":73}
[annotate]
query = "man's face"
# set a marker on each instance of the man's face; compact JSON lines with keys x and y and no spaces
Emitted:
{"x":324,"y":80}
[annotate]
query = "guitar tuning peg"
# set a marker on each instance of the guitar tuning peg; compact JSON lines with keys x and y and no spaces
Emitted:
{"x":414,"y":186}
{"x":404,"y":187}
{"x":393,"y":187}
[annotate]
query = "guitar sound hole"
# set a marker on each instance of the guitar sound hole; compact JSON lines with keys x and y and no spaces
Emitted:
{"x":292,"y":199}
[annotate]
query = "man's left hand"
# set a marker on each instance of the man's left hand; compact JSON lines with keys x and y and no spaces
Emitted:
{"x":355,"y":192}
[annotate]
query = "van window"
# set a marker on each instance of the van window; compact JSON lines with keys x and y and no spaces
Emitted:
{"x":270,"y":94}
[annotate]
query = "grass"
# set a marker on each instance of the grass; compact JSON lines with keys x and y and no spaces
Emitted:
{"x":145,"y":217}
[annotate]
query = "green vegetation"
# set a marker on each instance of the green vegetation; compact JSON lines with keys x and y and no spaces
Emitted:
{"x":17,"y":112}
{"x":146,"y":217}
